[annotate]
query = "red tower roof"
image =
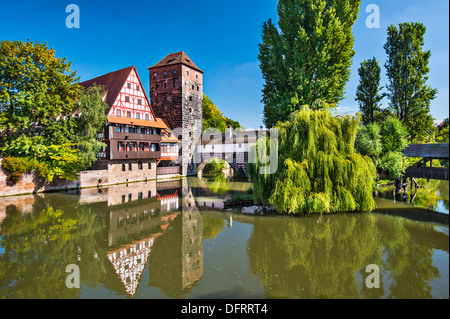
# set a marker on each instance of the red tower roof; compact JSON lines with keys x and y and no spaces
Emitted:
{"x":176,"y":58}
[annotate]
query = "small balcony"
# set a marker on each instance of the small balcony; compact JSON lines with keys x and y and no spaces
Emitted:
{"x":122,"y":155}
{"x":134,"y":137}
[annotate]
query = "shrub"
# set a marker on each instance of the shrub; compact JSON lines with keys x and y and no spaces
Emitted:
{"x":16,"y":167}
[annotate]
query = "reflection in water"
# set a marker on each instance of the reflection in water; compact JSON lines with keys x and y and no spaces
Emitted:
{"x":149,"y":240}
{"x":432,"y":194}
{"x":326,"y":257}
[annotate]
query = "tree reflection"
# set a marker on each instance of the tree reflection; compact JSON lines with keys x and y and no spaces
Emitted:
{"x":39,"y":246}
{"x":323,"y":257}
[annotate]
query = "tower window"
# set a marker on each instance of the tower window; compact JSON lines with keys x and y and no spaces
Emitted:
{"x":174,"y":71}
{"x":154,"y":75}
{"x":165,"y":73}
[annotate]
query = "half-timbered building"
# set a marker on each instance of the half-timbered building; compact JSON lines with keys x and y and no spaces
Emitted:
{"x":132,"y":133}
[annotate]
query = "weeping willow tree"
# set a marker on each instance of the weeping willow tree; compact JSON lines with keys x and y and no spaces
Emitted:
{"x":319,"y":170}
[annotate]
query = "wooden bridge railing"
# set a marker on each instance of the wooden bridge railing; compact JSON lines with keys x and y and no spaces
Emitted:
{"x":440,"y":173}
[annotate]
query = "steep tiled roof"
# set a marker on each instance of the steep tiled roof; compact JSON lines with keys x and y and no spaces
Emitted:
{"x":113,"y":83}
{"x":176,"y":58}
{"x":437,"y":151}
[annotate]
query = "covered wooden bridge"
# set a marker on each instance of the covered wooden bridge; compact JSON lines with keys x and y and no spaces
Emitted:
{"x":424,"y":168}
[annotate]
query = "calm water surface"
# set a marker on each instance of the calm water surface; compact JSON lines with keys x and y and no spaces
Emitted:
{"x":174,"y":240}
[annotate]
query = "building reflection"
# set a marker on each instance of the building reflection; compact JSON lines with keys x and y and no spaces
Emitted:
{"x":176,"y":264}
{"x":122,"y":232}
{"x":160,"y":228}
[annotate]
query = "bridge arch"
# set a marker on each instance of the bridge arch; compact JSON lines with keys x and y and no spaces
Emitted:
{"x":227,"y":170}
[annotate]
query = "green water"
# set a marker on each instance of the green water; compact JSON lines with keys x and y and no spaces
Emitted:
{"x":166,"y":240}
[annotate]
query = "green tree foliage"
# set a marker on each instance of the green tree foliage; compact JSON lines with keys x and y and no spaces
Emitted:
{"x":368,"y":91}
{"x":213,"y":118}
{"x":368,"y":141}
{"x":384,"y":145}
{"x":393,"y":135}
{"x":407,"y":68}
{"x":318,"y":168}
{"x":88,"y":124}
{"x":394,"y":164}
{"x":39,"y":97}
{"x":36,"y":88}
{"x":308,"y":58}
{"x":214,"y":167}
{"x":442,"y":132}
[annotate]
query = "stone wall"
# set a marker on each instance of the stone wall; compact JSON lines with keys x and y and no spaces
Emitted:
{"x":131,"y":171}
{"x":33,"y":183}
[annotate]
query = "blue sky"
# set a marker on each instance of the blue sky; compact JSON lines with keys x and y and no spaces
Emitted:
{"x":220,"y":37}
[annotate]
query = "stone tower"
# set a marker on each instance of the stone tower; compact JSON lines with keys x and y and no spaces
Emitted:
{"x":176,"y":93}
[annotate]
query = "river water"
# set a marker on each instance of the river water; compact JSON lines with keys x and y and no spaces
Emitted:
{"x":173,"y":239}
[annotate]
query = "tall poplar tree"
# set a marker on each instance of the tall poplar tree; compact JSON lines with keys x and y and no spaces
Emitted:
{"x":407,"y":68}
{"x":308,"y":57}
{"x":368,"y":91}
